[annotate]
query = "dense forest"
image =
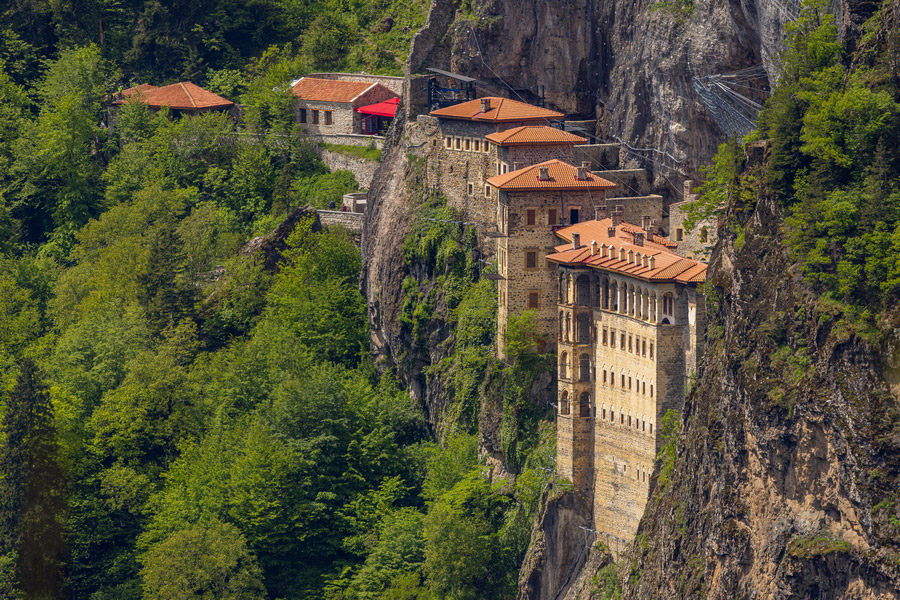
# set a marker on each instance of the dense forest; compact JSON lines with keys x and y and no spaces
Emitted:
{"x":186,"y":414}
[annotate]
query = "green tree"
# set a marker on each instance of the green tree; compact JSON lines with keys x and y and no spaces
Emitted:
{"x":32,"y":490}
{"x":209,"y":562}
{"x":163,"y":290}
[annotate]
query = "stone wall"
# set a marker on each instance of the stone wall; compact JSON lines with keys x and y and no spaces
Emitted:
{"x":349,"y":139}
{"x":363,"y":169}
{"x":629,"y":182}
{"x":637,"y":207}
{"x":602,"y":156}
{"x":697,"y":242}
{"x":352,"y":221}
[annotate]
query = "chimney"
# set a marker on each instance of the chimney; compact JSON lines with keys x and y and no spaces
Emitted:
{"x":688,"y":189}
{"x":576,"y":240}
{"x":517,"y":165}
{"x":593,"y":247}
{"x":485,"y":104}
{"x":617,"y":216}
{"x":639,"y":238}
{"x":601,"y":212}
{"x":543,"y":174}
{"x":580,"y":174}
{"x":611,"y":232}
{"x":586,"y":165}
{"x":651,"y":263}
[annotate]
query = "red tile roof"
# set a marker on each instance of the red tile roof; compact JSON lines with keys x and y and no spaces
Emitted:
{"x":562,"y":176}
{"x":666,"y":264}
{"x":534,"y":135}
{"x":501,"y":110}
{"x":330,"y":90}
{"x":182,"y":96}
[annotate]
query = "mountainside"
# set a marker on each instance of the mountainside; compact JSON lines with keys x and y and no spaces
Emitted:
{"x":784,"y":485}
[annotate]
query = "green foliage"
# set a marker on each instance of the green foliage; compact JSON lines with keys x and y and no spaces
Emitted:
{"x":669,"y":430}
{"x":366,"y":152}
{"x":821,"y":544}
{"x":605,"y":583}
{"x":830,"y":129}
{"x":209,"y":562}
{"x":32,"y":488}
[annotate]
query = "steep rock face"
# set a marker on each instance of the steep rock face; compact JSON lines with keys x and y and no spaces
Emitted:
{"x":788,"y":468}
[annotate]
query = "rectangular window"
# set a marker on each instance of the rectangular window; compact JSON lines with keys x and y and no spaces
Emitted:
{"x":623,"y":385}
{"x":505,"y":168}
{"x":651,"y":395}
{"x":468,"y":144}
{"x":679,"y":234}
{"x":476,"y":145}
{"x":328,"y":120}
{"x":651,"y":357}
{"x":448,"y":142}
{"x":303,"y":115}
{"x":605,"y":332}
{"x":604,"y":381}
{"x":471,"y":189}
{"x":704,"y":235}
{"x":573,"y":216}
{"x":487,"y":191}
{"x":622,"y":342}
{"x":457,"y":142}
{"x":533,"y":299}
{"x":315,"y":117}
{"x":530,"y":216}
{"x":644,"y":348}
{"x":551,"y":217}
{"x":531,"y":260}
{"x":629,"y":342}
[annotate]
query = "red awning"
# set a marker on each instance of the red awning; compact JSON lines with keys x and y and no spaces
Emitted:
{"x":388,"y":108}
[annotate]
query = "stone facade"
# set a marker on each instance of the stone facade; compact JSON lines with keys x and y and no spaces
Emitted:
{"x":526,"y":224}
{"x":363,"y":169}
{"x":314,"y":116}
{"x":698,"y":241}
{"x":626,"y":350}
{"x":395,"y":84}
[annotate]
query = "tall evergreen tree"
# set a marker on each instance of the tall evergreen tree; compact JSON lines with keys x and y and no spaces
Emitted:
{"x":32,"y":488}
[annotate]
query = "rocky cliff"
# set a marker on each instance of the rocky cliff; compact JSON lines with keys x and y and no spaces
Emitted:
{"x":787,"y":469}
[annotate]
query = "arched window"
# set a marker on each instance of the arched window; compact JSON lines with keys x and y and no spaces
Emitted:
{"x":604,"y":375}
{"x":584,"y":368}
{"x":629,"y":420}
{"x":668,"y":309}
{"x":605,"y":293}
{"x":612,"y":415}
{"x":561,"y":320}
{"x":568,"y":327}
{"x":614,"y":295}
{"x":583,"y":290}
{"x":564,"y":403}
{"x":603,"y":415}
{"x":612,"y":378}
{"x":563,"y":365}
{"x":562,"y":289}
{"x":583,"y":322}
{"x":584,"y":404}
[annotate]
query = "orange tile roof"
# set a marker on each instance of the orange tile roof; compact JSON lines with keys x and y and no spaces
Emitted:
{"x":330,"y":90}
{"x":667,"y":265}
{"x":534,"y":135}
{"x":502,"y":110}
{"x":562,"y":177}
{"x":182,"y":96}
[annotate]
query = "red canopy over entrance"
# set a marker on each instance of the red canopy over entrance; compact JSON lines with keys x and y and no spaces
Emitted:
{"x":388,"y":108}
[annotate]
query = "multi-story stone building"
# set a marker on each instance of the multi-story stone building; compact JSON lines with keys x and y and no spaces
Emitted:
{"x":530,"y":204}
{"x":630,"y":321}
{"x":461,"y":158}
{"x":698,"y":240}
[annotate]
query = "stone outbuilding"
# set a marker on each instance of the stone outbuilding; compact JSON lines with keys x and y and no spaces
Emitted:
{"x":328,"y":106}
{"x":532,"y":203}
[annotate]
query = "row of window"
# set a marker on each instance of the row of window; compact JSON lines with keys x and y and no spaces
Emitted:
{"x":625,"y":383}
{"x":704,"y":235}
{"x":313,"y":115}
{"x":584,"y":410}
{"x":465,"y":144}
{"x":635,"y":344}
{"x":639,"y":424}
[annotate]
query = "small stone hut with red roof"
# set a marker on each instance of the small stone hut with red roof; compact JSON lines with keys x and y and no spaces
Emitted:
{"x":328,"y":106}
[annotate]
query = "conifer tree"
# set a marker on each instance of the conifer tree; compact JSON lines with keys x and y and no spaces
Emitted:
{"x":163,"y":291}
{"x":32,"y":487}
